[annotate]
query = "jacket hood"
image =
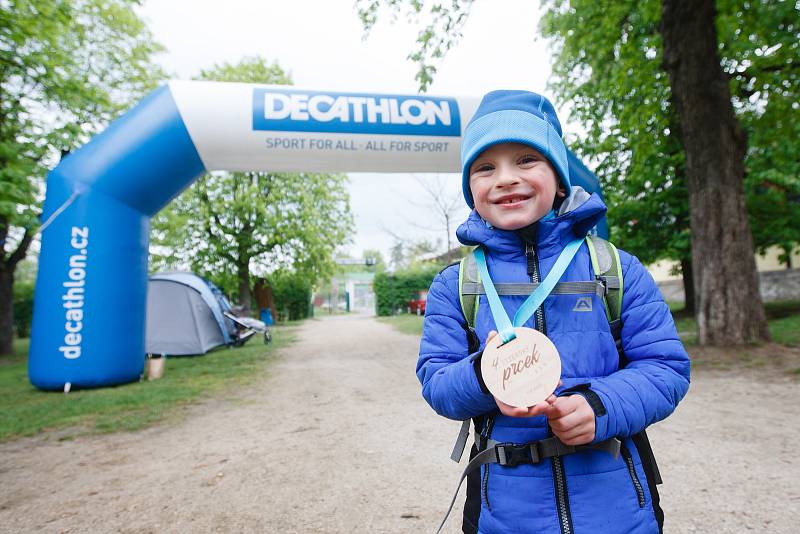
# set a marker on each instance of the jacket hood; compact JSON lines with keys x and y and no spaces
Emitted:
{"x":578,"y":214}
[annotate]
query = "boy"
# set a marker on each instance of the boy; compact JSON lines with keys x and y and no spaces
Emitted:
{"x":563,"y":480}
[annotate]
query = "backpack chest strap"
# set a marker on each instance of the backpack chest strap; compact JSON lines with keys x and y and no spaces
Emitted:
{"x":600,"y":287}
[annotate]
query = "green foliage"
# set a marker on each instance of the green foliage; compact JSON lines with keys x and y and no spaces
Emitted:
{"x":608,"y":66}
{"x":393,"y":291}
{"x":292,"y":294}
{"x":231,"y":223}
{"x":66,"y":68}
{"x":23,"y":308}
{"x":434,"y":40}
{"x":27,"y":411}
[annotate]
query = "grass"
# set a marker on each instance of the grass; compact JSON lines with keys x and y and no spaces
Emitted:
{"x":783,"y":318}
{"x":28,"y":411}
{"x":405,"y":323}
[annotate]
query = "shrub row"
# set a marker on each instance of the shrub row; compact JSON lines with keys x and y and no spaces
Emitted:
{"x":393,"y":291}
{"x":23,"y":307}
{"x":292,"y":294}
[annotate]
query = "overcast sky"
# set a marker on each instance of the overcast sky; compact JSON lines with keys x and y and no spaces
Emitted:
{"x":321,"y":43}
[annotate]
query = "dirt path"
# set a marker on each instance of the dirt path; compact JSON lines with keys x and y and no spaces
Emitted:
{"x":336,"y":438}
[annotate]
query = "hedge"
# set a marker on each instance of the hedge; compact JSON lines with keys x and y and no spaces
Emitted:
{"x":292,"y":294}
{"x":23,"y":308}
{"x":393,"y":291}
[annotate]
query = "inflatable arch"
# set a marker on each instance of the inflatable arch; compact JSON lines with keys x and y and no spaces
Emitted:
{"x":89,"y":311}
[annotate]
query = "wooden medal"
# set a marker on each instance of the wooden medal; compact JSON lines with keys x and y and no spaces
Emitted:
{"x":524,"y":371}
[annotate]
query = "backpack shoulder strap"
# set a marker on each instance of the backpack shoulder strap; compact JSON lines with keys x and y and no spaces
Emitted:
{"x":468,"y":273}
{"x":606,"y":265}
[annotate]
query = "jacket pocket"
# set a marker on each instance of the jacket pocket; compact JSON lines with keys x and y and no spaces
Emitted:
{"x":637,"y":485}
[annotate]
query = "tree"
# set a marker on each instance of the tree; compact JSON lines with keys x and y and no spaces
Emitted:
{"x":445,"y":207}
{"x":434,"y":40}
{"x":759,"y":49}
{"x":610,"y":66}
{"x":729,"y":308}
{"x":229,"y":224}
{"x":66,"y":68}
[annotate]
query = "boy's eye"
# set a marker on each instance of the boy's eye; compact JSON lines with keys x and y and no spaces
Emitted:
{"x":527,"y":158}
{"x":482,"y":167}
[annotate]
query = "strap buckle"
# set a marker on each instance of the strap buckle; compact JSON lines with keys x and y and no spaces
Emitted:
{"x":511,"y":454}
{"x":603,"y":281}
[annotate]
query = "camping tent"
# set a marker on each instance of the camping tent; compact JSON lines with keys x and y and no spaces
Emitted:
{"x":185,"y":315}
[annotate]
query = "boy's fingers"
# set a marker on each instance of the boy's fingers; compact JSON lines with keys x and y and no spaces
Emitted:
{"x":560,"y":408}
{"x":538,"y":409}
{"x":567,"y":423}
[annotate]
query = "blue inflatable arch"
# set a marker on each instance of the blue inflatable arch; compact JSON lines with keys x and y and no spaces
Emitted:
{"x":89,"y":311}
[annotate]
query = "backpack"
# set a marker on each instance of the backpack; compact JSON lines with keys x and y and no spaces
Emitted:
{"x":608,"y":284}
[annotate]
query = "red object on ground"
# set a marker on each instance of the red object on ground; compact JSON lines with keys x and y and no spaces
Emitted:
{"x":418,"y":305}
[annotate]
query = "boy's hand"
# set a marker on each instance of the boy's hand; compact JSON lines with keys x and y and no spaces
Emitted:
{"x":572,"y":420}
{"x":530,"y":411}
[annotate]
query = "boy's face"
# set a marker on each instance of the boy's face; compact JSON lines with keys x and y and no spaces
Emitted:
{"x":513,"y":185}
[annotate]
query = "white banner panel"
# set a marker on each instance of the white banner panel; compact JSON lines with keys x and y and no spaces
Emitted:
{"x":245,"y":127}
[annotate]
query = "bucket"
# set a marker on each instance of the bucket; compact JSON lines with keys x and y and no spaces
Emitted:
{"x":155,"y":366}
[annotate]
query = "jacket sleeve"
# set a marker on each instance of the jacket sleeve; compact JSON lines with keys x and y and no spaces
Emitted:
{"x":656,"y":376}
{"x":445,"y":368}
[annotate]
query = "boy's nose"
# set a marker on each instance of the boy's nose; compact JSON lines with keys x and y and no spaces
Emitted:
{"x":506,"y":176}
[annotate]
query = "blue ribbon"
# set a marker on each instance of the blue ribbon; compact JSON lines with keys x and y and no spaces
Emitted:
{"x":528,"y":308}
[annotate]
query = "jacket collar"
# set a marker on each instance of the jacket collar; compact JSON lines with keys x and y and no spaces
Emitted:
{"x":576,"y":216}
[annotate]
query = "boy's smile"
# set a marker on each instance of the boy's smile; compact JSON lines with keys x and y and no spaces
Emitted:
{"x":513,"y":185}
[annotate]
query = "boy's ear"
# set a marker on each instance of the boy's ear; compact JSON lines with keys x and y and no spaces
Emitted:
{"x":562,"y":192}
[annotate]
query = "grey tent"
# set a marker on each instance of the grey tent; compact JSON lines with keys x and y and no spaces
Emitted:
{"x":185,"y":315}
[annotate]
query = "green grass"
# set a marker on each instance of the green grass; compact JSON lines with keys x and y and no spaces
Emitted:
{"x":27,"y":411}
{"x":783,"y":318}
{"x":786,"y":331}
{"x":405,"y":323}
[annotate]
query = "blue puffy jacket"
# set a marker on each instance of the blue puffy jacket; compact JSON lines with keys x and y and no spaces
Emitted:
{"x":585,"y":492}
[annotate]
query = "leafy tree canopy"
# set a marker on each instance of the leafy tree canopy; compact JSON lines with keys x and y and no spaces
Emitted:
{"x":608,"y":66}
{"x":66,"y":68}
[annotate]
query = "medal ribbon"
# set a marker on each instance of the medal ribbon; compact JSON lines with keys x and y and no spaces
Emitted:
{"x":528,"y":308}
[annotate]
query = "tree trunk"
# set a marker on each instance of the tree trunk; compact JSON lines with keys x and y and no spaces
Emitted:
{"x":7,"y":267}
{"x":729,"y":307}
{"x":6,"y":309}
{"x":243,"y":271}
{"x":688,"y":286}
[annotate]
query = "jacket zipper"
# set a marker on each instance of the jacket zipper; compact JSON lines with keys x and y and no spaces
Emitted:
{"x":626,"y":455}
{"x":559,"y":477}
{"x":485,"y":481}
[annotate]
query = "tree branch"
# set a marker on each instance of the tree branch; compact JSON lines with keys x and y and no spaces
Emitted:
{"x":21,"y":251}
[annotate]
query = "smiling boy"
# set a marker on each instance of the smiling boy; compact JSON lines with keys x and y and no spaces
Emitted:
{"x":526,"y":212}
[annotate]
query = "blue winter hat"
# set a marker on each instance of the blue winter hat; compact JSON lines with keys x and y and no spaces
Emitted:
{"x":514,"y":117}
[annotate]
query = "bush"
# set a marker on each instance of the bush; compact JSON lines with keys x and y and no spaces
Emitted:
{"x":393,"y":291}
{"x":292,"y":294}
{"x":23,"y":307}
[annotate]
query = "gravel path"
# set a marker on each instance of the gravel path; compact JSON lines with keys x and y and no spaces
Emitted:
{"x":336,"y":438}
